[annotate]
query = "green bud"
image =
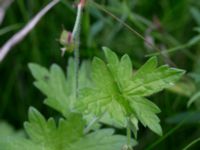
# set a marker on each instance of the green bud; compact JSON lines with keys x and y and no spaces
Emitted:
{"x":66,"y":40}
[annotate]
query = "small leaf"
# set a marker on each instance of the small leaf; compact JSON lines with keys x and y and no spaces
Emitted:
{"x":146,"y":112}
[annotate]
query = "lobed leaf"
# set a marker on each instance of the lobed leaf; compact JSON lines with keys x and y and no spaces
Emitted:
{"x":59,"y":90}
{"x":54,"y":85}
{"x":149,"y":79}
{"x":17,"y":143}
{"x":118,"y":95}
{"x":67,"y":135}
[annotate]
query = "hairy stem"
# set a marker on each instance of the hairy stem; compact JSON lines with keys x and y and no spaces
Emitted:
{"x":76,"y":39}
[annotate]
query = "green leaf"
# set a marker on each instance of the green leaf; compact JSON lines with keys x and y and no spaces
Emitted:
{"x":156,"y":79}
{"x":48,"y":135}
{"x":125,"y":68}
{"x":101,"y":74}
{"x":118,"y":95}
{"x":104,"y":92}
{"x":66,"y":135}
{"x":54,"y":85}
{"x":38,"y":72}
{"x":112,"y":61}
{"x":148,"y":67}
{"x":101,"y":140}
{"x":6,"y":129}
{"x":133,"y":124}
{"x":146,"y":112}
{"x":17,"y":143}
{"x":60,"y":91}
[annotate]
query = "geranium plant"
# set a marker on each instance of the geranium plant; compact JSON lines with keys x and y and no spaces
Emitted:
{"x":91,"y":94}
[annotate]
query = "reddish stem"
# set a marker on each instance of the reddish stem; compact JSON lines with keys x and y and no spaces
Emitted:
{"x":82,"y":3}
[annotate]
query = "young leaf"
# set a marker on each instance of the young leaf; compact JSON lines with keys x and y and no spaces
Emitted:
{"x":119,"y":95}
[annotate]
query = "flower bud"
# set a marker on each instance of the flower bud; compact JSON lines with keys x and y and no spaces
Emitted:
{"x":66,"y":40}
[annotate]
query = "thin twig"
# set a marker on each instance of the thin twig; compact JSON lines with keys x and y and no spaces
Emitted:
{"x":19,"y":36}
{"x":124,"y":24}
{"x":76,"y":39}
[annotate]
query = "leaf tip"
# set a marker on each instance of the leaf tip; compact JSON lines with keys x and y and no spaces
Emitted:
{"x":154,"y":60}
{"x":32,"y":66}
{"x":105,"y":48}
{"x":32,"y":109}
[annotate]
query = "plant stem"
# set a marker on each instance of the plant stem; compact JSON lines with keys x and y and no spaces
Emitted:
{"x":128,"y":134}
{"x":76,"y":39}
{"x":87,"y":129}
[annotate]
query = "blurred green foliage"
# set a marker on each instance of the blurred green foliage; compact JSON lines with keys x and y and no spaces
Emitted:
{"x":173,"y":26}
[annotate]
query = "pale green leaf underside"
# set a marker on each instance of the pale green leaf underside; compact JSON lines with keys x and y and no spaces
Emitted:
{"x":54,"y":85}
{"x":59,"y":90}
